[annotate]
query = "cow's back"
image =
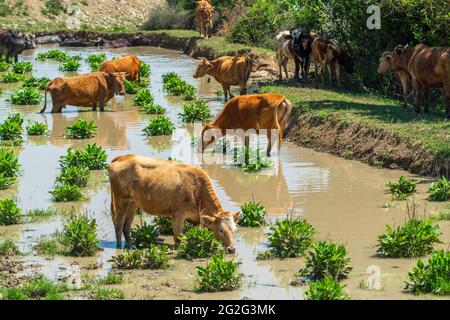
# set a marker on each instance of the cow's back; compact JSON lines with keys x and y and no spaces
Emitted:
{"x":430,"y":65}
{"x":129,"y":64}
{"x":235,"y":70}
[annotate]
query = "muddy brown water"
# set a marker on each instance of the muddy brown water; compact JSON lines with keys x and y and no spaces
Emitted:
{"x":342,"y":199}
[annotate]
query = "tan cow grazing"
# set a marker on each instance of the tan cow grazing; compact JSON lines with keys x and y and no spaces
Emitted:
{"x":284,"y":52}
{"x":204,"y":15}
{"x":258,"y":112}
{"x":429,"y":67}
{"x":128,"y":64}
{"x":167,"y":188}
{"x":93,"y":89}
{"x":227,"y":71}
{"x":328,"y":53}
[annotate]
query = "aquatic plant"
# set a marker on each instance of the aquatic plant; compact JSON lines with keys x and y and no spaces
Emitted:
{"x":143,"y":97}
{"x":37,"y":288}
{"x":164,"y":225}
{"x":440,"y":191}
{"x":131,"y":87}
{"x":111,"y":279}
{"x":326,"y":289}
{"x":144,"y":236}
{"x":79,"y":236}
{"x":326,"y":259}
{"x":144,"y":70}
{"x":41,"y":214}
{"x":154,"y":257}
{"x":100,"y":293}
{"x":250,"y":161}
{"x":70,"y":65}
{"x":77,"y":176}
{"x":26,"y":96}
{"x":4,"y":65}
{"x":174,"y":85}
{"x":253,"y":215}
{"x":35,"y":128}
{"x":9,"y":168}
{"x":152,"y":108}
{"x":39,"y":83}
{"x":11,"y":128}
{"x":197,"y":111}
{"x":414,"y":239}
{"x":95,"y":61}
{"x":12,"y":77}
{"x":81,"y":129}
{"x":198,"y":243}
{"x":22,"y":67}
{"x":93,"y":157}
{"x":9,"y":249}
{"x":55,"y":54}
{"x":288,"y":238}
{"x":48,"y":246}
{"x":432,"y":276}
{"x":66,"y":193}
{"x":218,"y":275}
{"x":402,"y":189}
{"x":159,"y":126}
{"x":10,"y":213}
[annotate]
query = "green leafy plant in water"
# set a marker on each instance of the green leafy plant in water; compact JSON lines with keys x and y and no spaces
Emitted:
{"x":144,"y":236}
{"x":22,"y":67}
{"x":92,"y":157}
{"x":440,"y":191}
{"x":326,"y":289}
{"x":74,"y":176}
{"x":197,"y":111}
{"x":402,"y":189}
{"x":70,"y":65}
{"x":152,"y":108}
{"x":10,"y":213}
{"x":159,"y":126}
{"x":144,"y":70}
{"x":198,"y":243}
{"x":111,"y":279}
{"x":432,"y":276}
{"x":11,"y":128}
{"x":143,"y":97}
{"x":4,"y":65}
{"x":174,"y":85}
{"x":250,"y":161}
{"x":131,"y":87}
{"x":9,"y":168}
{"x":218,"y":275}
{"x":79,"y":236}
{"x":253,"y":215}
{"x":26,"y":96}
{"x":66,"y":193}
{"x":9,"y":249}
{"x":36,"y":128}
{"x":414,"y":239}
{"x":81,"y":129}
{"x":57,"y":55}
{"x":154,"y":257}
{"x":12,"y":77}
{"x":95,"y":61}
{"x":36,"y":288}
{"x":39,"y":83}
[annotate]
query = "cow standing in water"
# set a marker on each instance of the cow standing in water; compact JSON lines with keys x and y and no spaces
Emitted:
{"x":129,"y":64}
{"x":204,"y":15}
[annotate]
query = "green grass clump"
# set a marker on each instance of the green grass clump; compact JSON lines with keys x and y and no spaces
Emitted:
{"x":74,"y":176}
{"x":9,"y":168}
{"x":26,"y":96}
{"x":402,"y":189}
{"x":57,"y":55}
{"x":22,"y":67}
{"x":326,"y":259}
{"x":11,"y":128}
{"x":111,"y":279}
{"x":48,"y":246}
{"x":9,"y":249}
{"x":10,"y":213}
{"x":144,"y":236}
{"x":39,"y":83}
{"x":144,"y":70}
{"x":198,"y":243}
{"x":79,"y":236}
{"x":35,"y":128}
{"x":414,"y":239}
{"x":81,"y":129}
{"x":107,"y":294}
{"x":131,"y":87}
{"x":250,"y":161}
{"x":4,"y":65}
{"x":432,"y":276}
{"x":66,"y":193}
{"x":70,"y":65}
{"x":37,"y":288}
{"x":326,"y":289}
{"x":95,"y":61}
{"x":159,"y":126}
{"x":143,"y":97}
{"x":289,"y":238}
{"x":440,"y":191}
{"x":164,"y":225}
{"x":152,"y":108}
{"x":12,"y":77}
{"x":253,"y":215}
{"x":154,"y":257}
{"x":218,"y":275}
{"x":92,"y":157}
{"x":53,"y":8}
{"x":174,"y":85}
{"x":41,"y":214}
{"x":197,"y":111}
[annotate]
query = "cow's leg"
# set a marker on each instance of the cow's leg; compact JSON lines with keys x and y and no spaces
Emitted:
{"x":118,"y":213}
{"x":285,"y":64}
{"x":225,"y":92}
{"x":426,"y":96}
{"x":338,"y":74}
{"x":102,"y":105}
{"x":417,"y":88}
{"x":297,"y":69}
{"x":405,"y":85}
{"x":229,"y":92}
{"x":177,"y":226}
{"x":269,"y":139}
{"x":243,"y":89}
{"x":94,"y":106}
{"x":446,"y":93}
{"x":130,"y":213}
{"x":330,"y":74}
{"x":280,"y":60}
{"x":57,"y":108}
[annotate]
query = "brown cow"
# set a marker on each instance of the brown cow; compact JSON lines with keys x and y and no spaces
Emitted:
{"x":258,"y":112}
{"x":128,"y":64}
{"x":227,"y":71}
{"x":167,"y":188}
{"x":429,"y":67}
{"x":204,"y":15}
{"x":326,"y":52}
{"x":84,"y":90}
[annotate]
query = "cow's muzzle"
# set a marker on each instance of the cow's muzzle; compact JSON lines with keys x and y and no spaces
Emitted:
{"x":231,"y":250}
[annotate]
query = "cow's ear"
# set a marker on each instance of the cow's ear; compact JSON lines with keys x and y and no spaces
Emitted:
{"x":237,"y":216}
{"x":288,"y":37}
{"x":207,"y":221}
{"x":399,"y":50}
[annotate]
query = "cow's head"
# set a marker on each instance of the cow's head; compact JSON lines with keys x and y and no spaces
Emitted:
{"x":203,"y":68}
{"x":400,"y":57}
{"x":207,"y":138}
{"x":301,"y":39}
{"x":223,"y":226}
{"x":385,"y":65}
{"x":118,"y":83}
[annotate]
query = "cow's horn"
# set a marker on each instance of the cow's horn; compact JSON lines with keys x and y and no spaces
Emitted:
{"x":406,"y":47}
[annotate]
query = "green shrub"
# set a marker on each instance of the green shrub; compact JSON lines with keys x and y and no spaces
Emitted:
{"x":253,"y":215}
{"x":48,"y":246}
{"x":12,"y":77}
{"x":159,"y":126}
{"x":95,"y":61}
{"x":289,"y":238}
{"x":402,"y":189}
{"x":22,"y":67}
{"x":9,"y":249}
{"x":9,"y":163}
{"x":11,"y":128}
{"x":432,"y":276}
{"x":143,"y":97}
{"x":53,"y":8}
{"x":36,"y":128}
{"x":107,"y":294}
{"x":39,"y":83}
{"x":4,"y":65}
{"x":81,"y":129}
{"x":218,"y":275}
{"x":144,"y":236}
{"x":70,"y":65}
{"x":198,"y":243}
{"x":57,"y":55}
{"x":326,"y":289}
{"x":131,"y":87}
{"x":155,"y":257}
{"x":440,"y":191}
{"x":92,"y":157}
{"x":66,"y":193}
{"x":10,"y":214}
{"x":79,"y":235}
{"x":414,"y":239}
{"x":74,"y":176}
{"x":144,"y":70}
{"x":152,"y":108}
{"x":197,"y":111}
{"x":26,"y":96}
{"x":41,"y":214}
{"x":326,"y":259}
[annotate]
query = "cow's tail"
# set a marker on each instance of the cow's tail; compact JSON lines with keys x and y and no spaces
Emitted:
{"x":45,"y":102}
{"x":282,"y":114}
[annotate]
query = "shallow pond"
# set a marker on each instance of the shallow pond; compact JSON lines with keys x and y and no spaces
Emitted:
{"x":342,"y":199}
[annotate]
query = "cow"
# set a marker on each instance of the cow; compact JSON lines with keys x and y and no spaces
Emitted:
{"x":128,"y":64}
{"x":302,"y":40}
{"x":388,"y":64}
{"x":285,"y":52}
{"x":12,"y":44}
{"x":167,"y":188}
{"x":328,"y":53}
{"x":227,"y":71}
{"x":204,"y":16}
{"x":94,"y":89}
{"x":253,"y":112}
{"x":429,"y":67}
